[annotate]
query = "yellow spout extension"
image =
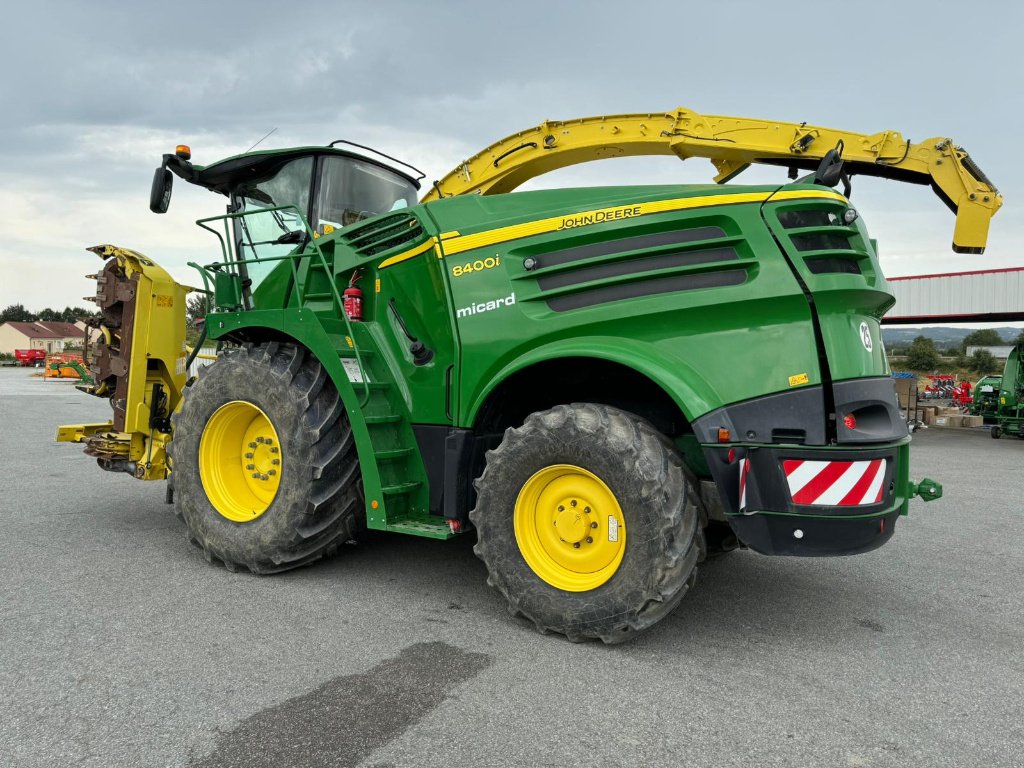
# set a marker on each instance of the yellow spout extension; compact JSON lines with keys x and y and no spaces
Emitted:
{"x":732,"y":144}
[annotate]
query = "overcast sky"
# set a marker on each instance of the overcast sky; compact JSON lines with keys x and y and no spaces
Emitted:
{"x":92,"y":93}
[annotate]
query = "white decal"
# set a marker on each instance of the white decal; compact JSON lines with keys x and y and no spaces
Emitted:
{"x":351,"y":366}
{"x":865,"y":336}
{"x":486,"y":306}
{"x":613,"y":528}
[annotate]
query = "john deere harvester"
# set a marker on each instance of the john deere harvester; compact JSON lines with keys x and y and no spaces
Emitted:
{"x":604,"y":385}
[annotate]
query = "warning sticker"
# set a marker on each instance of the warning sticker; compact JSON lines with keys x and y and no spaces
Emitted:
{"x":613,"y":528}
{"x":164,"y":300}
{"x":798,"y":379}
{"x":352,"y":370}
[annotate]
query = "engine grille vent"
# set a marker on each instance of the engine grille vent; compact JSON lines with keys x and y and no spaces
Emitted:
{"x":384,"y":234}
{"x":827,"y":244}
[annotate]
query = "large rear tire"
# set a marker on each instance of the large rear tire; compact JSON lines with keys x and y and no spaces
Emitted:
{"x":264,"y":465}
{"x":588,"y":522}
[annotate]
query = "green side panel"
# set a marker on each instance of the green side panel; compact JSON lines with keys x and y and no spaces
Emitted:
{"x":277,"y":289}
{"x":715,"y":317}
{"x":839,"y":265}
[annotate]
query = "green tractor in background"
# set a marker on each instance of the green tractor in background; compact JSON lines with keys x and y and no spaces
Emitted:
{"x":605,"y":385}
{"x":1009,"y":414}
{"x":985,"y":398}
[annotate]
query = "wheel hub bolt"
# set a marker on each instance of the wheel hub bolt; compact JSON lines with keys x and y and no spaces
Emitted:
{"x":260,"y":439}
{"x":272,"y":472}
{"x":250,"y":467}
{"x":593,"y":525}
{"x":561,"y":508}
{"x":264,"y":477}
{"x":256,"y":475}
{"x":252,"y":445}
{"x":274,"y":450}
{"x":590,"y":539}
{"x":572,"y":503}
{"x":587,"y":510}
{"x":275,"y":461}
{"x":248,"y":455}
{"x":269,"y":441}
{"x":575,"y":545}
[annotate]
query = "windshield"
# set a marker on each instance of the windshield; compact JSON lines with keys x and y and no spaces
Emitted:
{"x":257,"y":233}
{"x":352,"y":190}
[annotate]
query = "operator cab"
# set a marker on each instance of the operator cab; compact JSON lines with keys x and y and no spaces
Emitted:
{"x":283,"y":189}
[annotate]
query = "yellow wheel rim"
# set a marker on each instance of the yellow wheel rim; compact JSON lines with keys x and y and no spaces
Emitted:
{"x":240,"y":461}
{"x":569,"y":528}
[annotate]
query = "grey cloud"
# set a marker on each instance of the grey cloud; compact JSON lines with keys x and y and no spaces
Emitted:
{"x":443,"y":79}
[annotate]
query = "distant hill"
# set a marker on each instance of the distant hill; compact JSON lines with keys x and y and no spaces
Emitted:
{"x":943,"y":337}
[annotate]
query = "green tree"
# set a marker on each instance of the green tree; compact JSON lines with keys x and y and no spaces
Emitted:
{"x":1020,"y":338}
{"x":50,"y":315}
{"x":985,"y":337}
{"x":983,"y":361}
{"x":74,"y":314}
{"x":17,"y":313}
{"x":195,"y":309}
{"x":922,"y":355}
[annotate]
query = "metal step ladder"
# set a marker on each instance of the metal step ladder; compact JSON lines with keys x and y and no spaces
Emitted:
{"x":405,"y":507}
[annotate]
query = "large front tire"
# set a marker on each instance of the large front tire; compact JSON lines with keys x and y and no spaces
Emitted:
{"x":588,"y":522}
{"x":264,"y":463}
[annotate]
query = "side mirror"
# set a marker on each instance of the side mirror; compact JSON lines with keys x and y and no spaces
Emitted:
{"x":160,"y":194}
{"x":830,"y":169}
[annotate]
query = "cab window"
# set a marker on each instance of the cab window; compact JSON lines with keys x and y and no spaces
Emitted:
{"x":259,"y":233}
{"x":352,"y":190}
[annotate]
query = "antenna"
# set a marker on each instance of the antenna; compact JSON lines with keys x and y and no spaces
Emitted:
{"x":250,"y":149}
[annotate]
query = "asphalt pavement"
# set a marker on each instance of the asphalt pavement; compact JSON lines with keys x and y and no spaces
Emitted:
{"x":121,"y":646}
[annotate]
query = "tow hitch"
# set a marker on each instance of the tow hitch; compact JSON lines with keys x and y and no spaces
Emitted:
{"x":928,"y":490}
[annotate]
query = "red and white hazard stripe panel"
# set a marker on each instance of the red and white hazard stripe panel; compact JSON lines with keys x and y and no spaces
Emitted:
{"x":835,"y":483}
{"x":744,"y":470}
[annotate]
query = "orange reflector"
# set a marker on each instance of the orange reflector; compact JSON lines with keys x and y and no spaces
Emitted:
{"x":374,"y":503}
{"x":183,"y":151}
{"x":723,"y":435}
{"x":850,"y":421}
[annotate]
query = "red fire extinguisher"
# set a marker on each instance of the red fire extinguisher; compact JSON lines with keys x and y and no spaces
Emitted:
{"x":354,"y":299}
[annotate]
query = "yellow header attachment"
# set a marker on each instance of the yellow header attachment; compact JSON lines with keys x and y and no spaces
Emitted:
{"x":138,"y":363}
{"x":732,"y":144}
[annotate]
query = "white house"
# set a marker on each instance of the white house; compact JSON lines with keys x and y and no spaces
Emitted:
{"x":46,"y":335}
